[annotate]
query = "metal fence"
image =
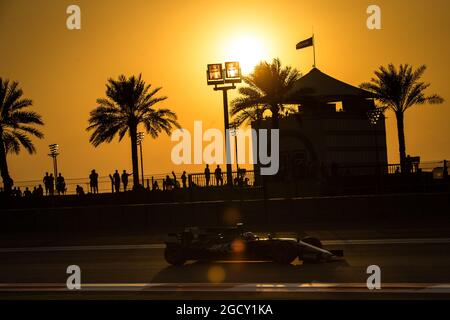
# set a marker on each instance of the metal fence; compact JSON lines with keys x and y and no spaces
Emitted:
{"x":414,"y":167}
{"x":243,"y":178}
{"x":104,"y":183}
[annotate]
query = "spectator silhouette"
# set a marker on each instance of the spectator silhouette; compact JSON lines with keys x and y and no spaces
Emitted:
{"x":184,"y":179}
{"x":93,"y":181}
{"x":60,"y":185}
{"x":125,"y":176}
{"x":155,"y":185}
{"x":207,"y":175}
{"x":116,"y":178}
{"x":51,"y":183}
{"x":168,"y":183}
{"x":408,"y":164}
{"x":445,"y":170}
{"x":46,"y":182}
{"x":175,"y":182}
{"x":218,"y":175}
{"x":40,"y":191}
{"x":79,"y":190}
{"x":27,"y":192}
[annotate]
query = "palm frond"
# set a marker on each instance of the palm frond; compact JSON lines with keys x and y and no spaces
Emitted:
{"x":10,"y":142}
{"x":129,"y":102}
{"x":266,"y":88}
{"x":400,"y":88}
{"x":16,"y":121}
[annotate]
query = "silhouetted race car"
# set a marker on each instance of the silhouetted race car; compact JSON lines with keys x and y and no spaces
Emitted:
{"x":235,"y":243}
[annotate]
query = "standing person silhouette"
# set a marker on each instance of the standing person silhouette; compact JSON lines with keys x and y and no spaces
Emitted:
{"x":176,"y":184}
{"x":168,"y":183}
{"x":445,"y":170}
{"x":93,"y":181}
{"x":184,"y":179}
{"x":116,"y":177}
{"x":125,"y":176}
{"x":27,"y":192}
{"x":218,"y":175}
{"x":46,"y":182}
{"x":51,"y":184}
{"x":60,"y":184}
{"x":207,"y":175}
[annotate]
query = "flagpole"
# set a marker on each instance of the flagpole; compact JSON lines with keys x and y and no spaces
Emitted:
{"x":314,"y":50}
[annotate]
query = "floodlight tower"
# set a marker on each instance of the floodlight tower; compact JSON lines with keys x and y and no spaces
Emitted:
{"x":140,"y":139}
{"x":54,"y":154}
{"x":225,"y":79}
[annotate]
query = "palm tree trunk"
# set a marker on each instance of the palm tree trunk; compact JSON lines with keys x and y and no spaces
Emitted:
{"x":401,"y":138}
{"x":7,"y":181}
{"x":134,"y":156}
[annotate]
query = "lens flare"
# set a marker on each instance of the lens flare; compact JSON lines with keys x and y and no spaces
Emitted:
{"x":231,"y":216}
{"x":216,"y":274}
{"x":238,"y":246}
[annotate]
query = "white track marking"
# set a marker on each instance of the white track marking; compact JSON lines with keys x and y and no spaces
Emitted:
{"x":84,"y":248}
{"x":232,"y":287}
{"x":388,"y":241}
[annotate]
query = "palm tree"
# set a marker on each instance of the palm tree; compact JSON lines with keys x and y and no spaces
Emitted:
{"x":16,"y":125}
{"x":267,"y":87}
{"x":129,"y":103}
{"x":247,"y":116}
{"x":399,"y":90}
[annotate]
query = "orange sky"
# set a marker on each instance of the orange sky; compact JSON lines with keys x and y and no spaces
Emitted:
{"x":170,"y":43}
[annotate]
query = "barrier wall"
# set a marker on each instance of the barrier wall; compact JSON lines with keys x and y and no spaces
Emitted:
{"x":295,"y":211}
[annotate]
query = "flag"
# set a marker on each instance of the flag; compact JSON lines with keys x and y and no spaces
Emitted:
{"x":305,"y":43}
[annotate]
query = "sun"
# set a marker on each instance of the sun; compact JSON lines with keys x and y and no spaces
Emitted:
{"x":248,"y":50}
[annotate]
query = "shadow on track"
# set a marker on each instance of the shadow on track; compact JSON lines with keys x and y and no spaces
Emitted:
{"x":249,"y":272}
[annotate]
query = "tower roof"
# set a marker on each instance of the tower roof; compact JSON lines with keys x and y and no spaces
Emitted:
{"x":320,"y":86}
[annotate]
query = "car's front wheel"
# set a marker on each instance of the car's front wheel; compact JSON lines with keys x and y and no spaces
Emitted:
{"x":174,"y":255}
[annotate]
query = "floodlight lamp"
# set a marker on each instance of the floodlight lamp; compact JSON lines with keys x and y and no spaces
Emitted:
{"x":232,"y":71}
{"x":214,"y":73}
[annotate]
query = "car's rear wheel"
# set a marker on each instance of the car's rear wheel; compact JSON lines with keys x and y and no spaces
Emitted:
{"x":174,"y":255}
{"x":283,"y":252}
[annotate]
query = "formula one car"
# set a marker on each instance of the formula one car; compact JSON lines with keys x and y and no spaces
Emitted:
{"x":234,"y":243}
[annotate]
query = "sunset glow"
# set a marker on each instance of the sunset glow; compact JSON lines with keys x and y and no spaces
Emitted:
{"x":248,"y":50}
{"x":172,"y":48}
{"x":224,"y":158}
